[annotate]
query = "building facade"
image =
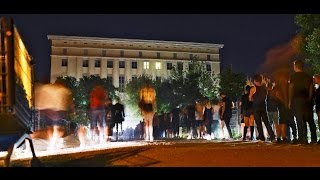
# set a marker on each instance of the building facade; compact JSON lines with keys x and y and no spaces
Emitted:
{"x":121,"y":60}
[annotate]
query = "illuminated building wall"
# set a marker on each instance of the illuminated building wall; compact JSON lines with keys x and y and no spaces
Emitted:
{"x":121,"y":60}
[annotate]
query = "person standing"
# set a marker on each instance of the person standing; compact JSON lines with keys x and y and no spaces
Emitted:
{"x":300,"y":101}
{"x":118,"y":116}
{"x":226,"y":112}
{"x":98,"y":98}
{"x":147,"y":105}
{"x":175,"y":117}
{"x":316,"y":80}
{"x":259,"y":104}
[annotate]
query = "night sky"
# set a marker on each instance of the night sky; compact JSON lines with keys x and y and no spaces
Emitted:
{"x":247,"y":38}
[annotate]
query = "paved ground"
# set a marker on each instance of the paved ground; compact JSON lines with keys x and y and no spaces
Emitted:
{"x":176,"y":153}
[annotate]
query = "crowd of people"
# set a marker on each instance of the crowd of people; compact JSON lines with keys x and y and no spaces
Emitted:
{"x":282,"y":104}
{"x":277,"y":109}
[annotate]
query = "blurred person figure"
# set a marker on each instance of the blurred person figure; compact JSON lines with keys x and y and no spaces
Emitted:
{"x":175,"y":117}
{"x":118,"y":115}
{"x":226,"y":112}
{"x":98,"y":97}
{"x":55,"y":102}
{"x":247,"y":110}
{"x":208,"y":118}
{"x":316,"y":80}
{"x":216,"y":128}
{"x":199,"y":119}
{"x":147,"y":105}
{"x":109,"y":119}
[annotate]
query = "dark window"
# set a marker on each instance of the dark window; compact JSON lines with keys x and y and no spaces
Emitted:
{"x":64,"y":62}
{"x":121,"y":83}
{"x":121,"y":64}
{"x":134,"y":64}
{"x":140,"y":54}
{"x":158,"y":55}
{"x":109,"y":64}
{"x":64,"y":51}
{"x":208,"y":57}
{"x":191,"y":56}
{"x":97,"y":63}
{"x":109,"y":79}
{"x":121,"y":53}
{"x":175,"y":56}
{"x":104,"y":52}
{"x":180,"y":65}
{"x":208,"y":67}
{"x":85,"y":52}
{"x":85,"y":63}
{"x":169,"y":66}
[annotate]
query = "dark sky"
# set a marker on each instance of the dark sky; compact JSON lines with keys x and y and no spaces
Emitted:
{"x":246,"y":37}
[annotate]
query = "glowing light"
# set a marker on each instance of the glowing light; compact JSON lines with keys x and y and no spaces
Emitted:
{"x":22,"y":66}
{"x":145,"y":65}
{"x":158,"y":65}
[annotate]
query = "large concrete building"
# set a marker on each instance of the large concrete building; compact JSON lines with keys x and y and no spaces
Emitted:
{"x":121,"y":60}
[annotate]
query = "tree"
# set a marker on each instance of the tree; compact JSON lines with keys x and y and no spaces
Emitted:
{"x":181,"y":87}
{"x":310,"y":32}
{"x":81,"y":90}
{"x":194,"y":83}
{"x":232,"y":83}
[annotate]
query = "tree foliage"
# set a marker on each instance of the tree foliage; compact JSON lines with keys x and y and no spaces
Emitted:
{"x":232,"y":83}
{"x":310,"y":31}
{"x":81,"y":90}
{"x":181,"y":87}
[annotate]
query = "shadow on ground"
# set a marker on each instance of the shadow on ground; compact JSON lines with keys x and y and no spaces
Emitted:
{"x":120,"y":158}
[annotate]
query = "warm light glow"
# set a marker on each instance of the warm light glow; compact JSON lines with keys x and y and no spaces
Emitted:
{"x":158,"y":65}
{"x":145,"y":65}
{"x":22,"y":65}
{"x":52,"y":96}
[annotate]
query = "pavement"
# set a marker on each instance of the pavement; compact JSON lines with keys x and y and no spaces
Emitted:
{"x":172,"y":153}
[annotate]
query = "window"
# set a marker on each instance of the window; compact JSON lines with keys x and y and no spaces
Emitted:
{"x":64,"y":62}
{"x":64,"y":51}
{"x":121,"y":53}
{"x":175,"y":56}
{"x":121,"y":64}
{"x":208,"y":67}
{"x":85,"y":63}
{"x":169,"y":66}
{"x":146,"y":65}
{"x":180,"y":65}
{"x":134,"y":64}
{"x":121,"y":83}
{"x":97,"y":63}
{"x":208,"y":57}
{"x":109,"y":64}
{"x":158,"y":55}
{"x":104,"y":53}
{"x":134,"y":77}
{"x":191,"y":56}
{"x":109,"y":79}
{"x":85,"y":52}
{"x":158,"y":65}
{"x":140,"y":54}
